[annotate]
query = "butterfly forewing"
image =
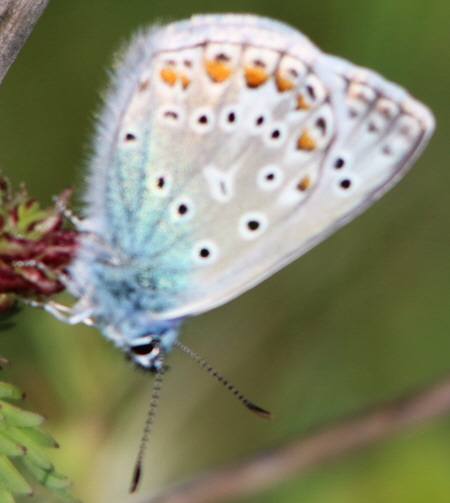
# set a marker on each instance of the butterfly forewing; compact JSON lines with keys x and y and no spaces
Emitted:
{"x":239,"y":147}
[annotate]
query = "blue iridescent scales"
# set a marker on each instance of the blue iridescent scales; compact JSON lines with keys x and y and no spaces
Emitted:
{"x":229,"y":145}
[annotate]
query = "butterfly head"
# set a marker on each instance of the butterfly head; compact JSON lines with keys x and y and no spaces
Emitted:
{"x":147,"y":352}
{"x":149,"y":348}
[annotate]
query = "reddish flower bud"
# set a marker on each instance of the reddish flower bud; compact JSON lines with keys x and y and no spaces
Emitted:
{"x":35,"y":249}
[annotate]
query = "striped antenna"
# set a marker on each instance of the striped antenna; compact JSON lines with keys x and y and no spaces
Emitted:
{"x":203,"y":363}
{"x":148,"y":427}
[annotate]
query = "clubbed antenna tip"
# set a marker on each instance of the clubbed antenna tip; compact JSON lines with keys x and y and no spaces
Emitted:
{"x":259,"y":411}
{"x":136,"y":477}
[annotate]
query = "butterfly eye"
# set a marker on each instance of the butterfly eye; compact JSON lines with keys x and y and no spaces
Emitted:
{"x":145,"y":349}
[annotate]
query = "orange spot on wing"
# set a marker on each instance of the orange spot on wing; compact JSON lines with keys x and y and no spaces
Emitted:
{"x":168,"y":75}
{"x":306,"y":141}
{"x":217,"y":70}
{"x":301,"y":103}
{"x":185,"y":81}
{"x":283,"y":84}
{"x":255,"y":76}
{"x":304,"y":183}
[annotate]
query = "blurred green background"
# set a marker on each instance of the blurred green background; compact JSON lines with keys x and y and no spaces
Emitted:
{"x":362,"y":318}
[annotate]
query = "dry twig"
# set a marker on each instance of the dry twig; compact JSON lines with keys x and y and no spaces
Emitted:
{"x":17,"y":19}
{"x":301,"y":455}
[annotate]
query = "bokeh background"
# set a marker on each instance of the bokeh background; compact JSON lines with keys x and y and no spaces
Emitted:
{"x":361,"y":319}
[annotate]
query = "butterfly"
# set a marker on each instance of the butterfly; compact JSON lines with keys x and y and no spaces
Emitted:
{"x":227,"y":147}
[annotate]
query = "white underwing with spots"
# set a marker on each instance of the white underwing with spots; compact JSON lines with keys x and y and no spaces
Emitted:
{"x":228,"y":146}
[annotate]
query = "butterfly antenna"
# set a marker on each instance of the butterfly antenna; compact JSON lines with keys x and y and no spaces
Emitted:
{"x":147,"y":428}
{"x":203,"y":363}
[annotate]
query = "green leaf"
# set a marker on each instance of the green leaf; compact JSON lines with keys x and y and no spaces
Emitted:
{"x":10,"y":478}
{"x":10,"y":448}
{"x":35,"y":453}
{"x":6,"y":496}
{"x":9,"y":391}
{"x":39,"y":437}
{"x":65,"y":495}
{"x":21,"y":437}
{"x":49,"y":478}
{"x":18,"y":417}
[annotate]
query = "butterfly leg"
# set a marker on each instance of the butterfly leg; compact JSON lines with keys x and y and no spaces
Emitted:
{"x":61,"y":312}
{"x":72,"y":218}
{"x":60,"y":275}
{"x":54,"y":308}
{"x":61,"y":202}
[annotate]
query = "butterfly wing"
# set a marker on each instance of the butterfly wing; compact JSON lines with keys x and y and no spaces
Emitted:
{"x":234,"y":146}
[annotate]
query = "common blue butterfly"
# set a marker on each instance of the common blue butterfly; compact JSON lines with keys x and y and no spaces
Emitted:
{"x":228,"y":146}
